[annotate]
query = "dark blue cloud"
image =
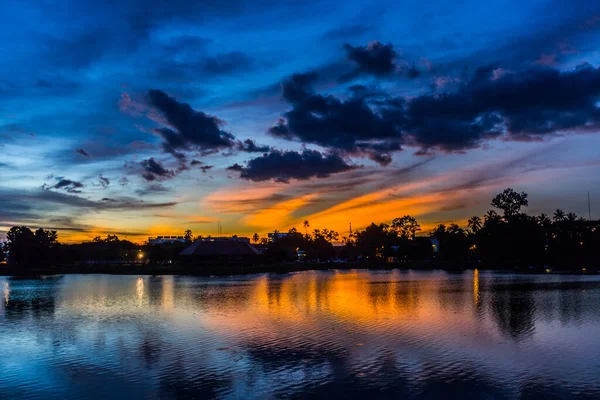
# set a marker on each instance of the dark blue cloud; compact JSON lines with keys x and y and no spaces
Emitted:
{"x":68,"y":185}
{"x":375,"y":58}
{"x":351,"y":125}
{"x":283,"y":166}
{"x":192,"y":130}
{"x":103,"y":181}
{"x":525,"y":105}
{"x":250,"y":146}
{"x":154,"y":171}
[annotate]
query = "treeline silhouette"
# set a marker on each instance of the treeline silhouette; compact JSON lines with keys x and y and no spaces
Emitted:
{"x":505,"y":237}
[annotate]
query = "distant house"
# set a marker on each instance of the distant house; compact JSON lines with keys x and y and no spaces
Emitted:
{"x":220,"y":251}
{"x":166,"y":240}
{"x":239,"y":238}
{"x":273,"y":236}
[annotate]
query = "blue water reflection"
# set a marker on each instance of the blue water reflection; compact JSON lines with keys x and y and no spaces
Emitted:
{"x":313,"y":334}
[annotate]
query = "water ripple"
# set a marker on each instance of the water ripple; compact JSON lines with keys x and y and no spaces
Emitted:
{"x":354,"y":334}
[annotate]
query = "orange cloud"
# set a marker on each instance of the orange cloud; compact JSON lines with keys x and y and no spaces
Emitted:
{"x":201,"y":220}
{"x":278,"y":215}
{"x":237,"y":200}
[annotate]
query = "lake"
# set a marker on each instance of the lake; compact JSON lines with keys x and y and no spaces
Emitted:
{"x":340,"y":334}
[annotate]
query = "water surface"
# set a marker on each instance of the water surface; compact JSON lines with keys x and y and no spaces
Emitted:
{"x":351,"y":334}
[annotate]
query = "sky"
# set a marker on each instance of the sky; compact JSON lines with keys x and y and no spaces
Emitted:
{"x":143,"y":118}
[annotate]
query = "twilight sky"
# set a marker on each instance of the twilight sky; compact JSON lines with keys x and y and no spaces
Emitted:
{"x":146,"y":117}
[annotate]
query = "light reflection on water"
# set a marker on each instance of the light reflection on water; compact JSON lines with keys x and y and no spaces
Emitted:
{"x":311,"y":334}
{"x":6,"y":292}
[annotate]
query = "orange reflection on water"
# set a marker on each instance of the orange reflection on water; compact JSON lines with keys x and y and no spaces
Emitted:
{"x":140,"y":289}
{"x":354,"y":302}
{"x":476,"y":287}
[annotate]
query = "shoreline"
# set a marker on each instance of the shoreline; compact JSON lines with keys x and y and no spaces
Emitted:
{"x":226,"y":270}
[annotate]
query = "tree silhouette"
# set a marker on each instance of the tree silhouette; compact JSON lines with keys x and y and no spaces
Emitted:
{"x":188,"y":236}
{"x":111,"y":238}
{"x":3,"y":249}
{"x":255,"y":238}
{"x":375,"y":241}
{"x":510,"y":202}
{"x":406,"y":227}
{"x":20,"y":243}
{"x":31,"y":249}
{"x":474,"y":224}
{"x":544,"y":220}
{"x":491,"y":217}
{"x":454,"y":246}
{"x":559,"y":215}
{"x":329,"y":235}
{"x":306,"y":225}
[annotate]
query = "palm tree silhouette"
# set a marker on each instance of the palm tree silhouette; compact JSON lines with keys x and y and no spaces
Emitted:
{"x":559,"y":215}
{"x":474,"y":224}
{"x":306,"y":225}
{"x":543,"y":220}
{"x":255,"y":238}
{"x":491,"y":215}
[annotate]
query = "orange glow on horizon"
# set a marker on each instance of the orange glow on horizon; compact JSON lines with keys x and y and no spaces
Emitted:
{"x":278,"y":214}
{"x":267,"y":206}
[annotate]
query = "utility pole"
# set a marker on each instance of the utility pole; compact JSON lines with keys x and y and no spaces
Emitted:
{"x":589,"y":207}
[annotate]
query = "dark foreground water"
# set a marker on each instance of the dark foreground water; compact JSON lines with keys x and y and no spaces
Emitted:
{"x":312,"y":334}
